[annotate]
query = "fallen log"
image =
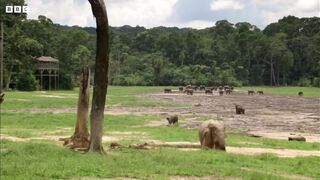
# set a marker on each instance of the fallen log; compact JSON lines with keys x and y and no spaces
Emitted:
{"x":297,"y":138}
{"x":151,"y":145}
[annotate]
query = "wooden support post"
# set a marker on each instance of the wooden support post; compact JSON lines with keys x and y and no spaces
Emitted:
{"x":49,"y":79}
{"x":55,"y":80}
{"x":41,"y":87}
{"x":58,"y":80}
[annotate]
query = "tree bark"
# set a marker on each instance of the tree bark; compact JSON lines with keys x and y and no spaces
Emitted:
{"x":9,"y":77}
{"x":278,"y":75}
{"x":100,"y":76}
{"x":81,"y":134}
{"x":274,"y":76}
{"x":80,"y":138}
{"x":270,"y":74}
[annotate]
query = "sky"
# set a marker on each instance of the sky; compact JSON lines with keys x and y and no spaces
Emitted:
{"x":197,"y":14}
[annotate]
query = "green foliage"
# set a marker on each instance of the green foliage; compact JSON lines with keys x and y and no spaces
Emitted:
{"x":284,"y":53}
{"x":257,"y":72}
{"x":316,"y":82}
{"x":65,"y":81}
{"x":304,"y":82}
{"x":26,"y":81}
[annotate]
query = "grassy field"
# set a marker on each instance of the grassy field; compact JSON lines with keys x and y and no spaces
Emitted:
{"x":286,"y":91}
{"x":117,"y":96}
{"x":40,"y":158}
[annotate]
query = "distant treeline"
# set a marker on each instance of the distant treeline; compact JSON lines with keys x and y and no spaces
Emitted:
{"x":284,"y":53}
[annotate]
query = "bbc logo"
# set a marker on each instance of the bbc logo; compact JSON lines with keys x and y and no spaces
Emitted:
{"x":17,"y":9}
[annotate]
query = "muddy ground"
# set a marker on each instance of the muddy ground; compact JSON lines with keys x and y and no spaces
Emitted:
{"x":265,"y":115}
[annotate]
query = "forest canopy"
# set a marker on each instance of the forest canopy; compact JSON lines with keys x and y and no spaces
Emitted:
{"x":284,"y":53}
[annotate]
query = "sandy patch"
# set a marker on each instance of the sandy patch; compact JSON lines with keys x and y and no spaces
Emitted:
{"x":252,"y":151}
{"x":156,"y":123}
{"x":284,"y":153}
{"x":284,"y":135}
{"x":51,"y":96}
{"x":202,"y":178}
{"x":13,"y":138}
{"x":23,"y":100}
{"x":291,"y":153}
{"x":117,"y":136}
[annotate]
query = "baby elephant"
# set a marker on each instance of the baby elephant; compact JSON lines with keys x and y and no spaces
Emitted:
{"x":167,"y":91}
{"x":228,"y":91}
{"x":188,"y":91}
{"x":212,"y":135}
{"x":260,"y":92}
{"x":172,"y":119}
{"x":208,"y":91}
{"x":239,"y":109}
{"x":250,"y":92}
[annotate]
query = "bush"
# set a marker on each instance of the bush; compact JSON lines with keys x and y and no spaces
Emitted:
{"x":65,"y":81}
{"x":304,"y":82}
{"x":316,"y":82}
{"x":26,"y":81}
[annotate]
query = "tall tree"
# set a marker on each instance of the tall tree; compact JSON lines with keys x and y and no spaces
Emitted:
{"x":100,"y":77}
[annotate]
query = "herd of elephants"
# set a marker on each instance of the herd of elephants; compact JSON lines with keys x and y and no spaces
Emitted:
{"x":212,"y":133}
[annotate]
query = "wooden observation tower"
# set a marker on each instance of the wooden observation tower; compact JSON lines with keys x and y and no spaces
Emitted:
{"x":47,"y":72}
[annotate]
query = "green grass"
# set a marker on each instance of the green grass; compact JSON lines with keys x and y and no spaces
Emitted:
{"x":120,"y":96}
{"x":117,"y":96}
{"x":19,"y":125}
{"x":46,"y":161}
{"x":287,"y":91}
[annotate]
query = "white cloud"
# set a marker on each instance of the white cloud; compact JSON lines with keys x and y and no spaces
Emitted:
{"x":66,"y":12}
{"x":199,"y":24}
{"x":121,"y":12}
{"x":151,"y":13}
{"x":140,"y":12}
{"x":299,"y":8}
{"x":217,"y":5}
{"x":195,"y":24}
{"x":307,"y":5}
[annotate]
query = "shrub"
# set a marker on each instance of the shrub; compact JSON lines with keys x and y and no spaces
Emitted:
{"x":304,"y":82}
{"x":26,"y":81}
{"x":316,"y":82}
{"x":65,"y":81}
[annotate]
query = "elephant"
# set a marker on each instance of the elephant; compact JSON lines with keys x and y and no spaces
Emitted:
{"x":212,"y":135}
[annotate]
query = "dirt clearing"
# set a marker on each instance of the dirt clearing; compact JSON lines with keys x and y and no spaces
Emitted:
{"x":265,"y":115}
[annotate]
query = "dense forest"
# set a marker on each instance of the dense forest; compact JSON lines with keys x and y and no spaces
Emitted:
{"x":284,"y":53}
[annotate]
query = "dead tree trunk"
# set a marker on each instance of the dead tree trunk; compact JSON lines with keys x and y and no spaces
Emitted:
{"x":81,"y":134}
{"x":80,"y":138}
{"x":100,"y":76}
